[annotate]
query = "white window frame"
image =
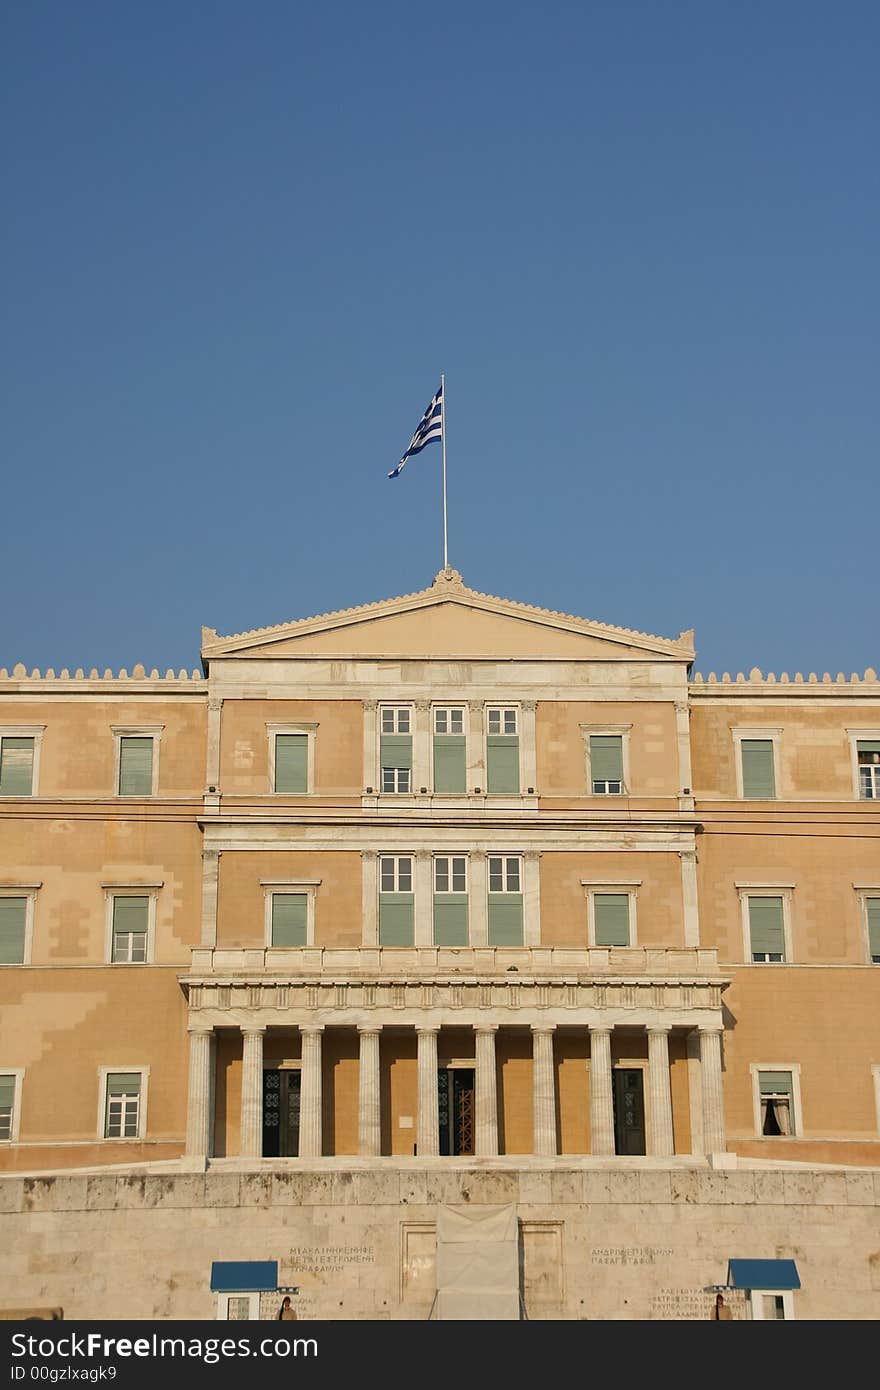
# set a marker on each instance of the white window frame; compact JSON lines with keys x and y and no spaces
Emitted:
{"x":442,"y":892}
{"x":462,"y":709}
{"x":621,"y":731}
{"x":864,"y":891}
{"x":308,"y":728}
{"x":396,"y":707}
{"x":755,"y":1303}
{"x":875,"y":1072}
{"x":520,"y":858}
{"x":855,"y":737}
{"x":513,"y":708}
{"x":628,"y":886}
{"x":253,"y":1304}
{"x":153,"y":731}
{"x":103,"y":1073}
{"x":397,"y":858}
{"x":794,"y":1068}
{"x":767,"y":735}
{"x":150,"y":891}
{"x":29,"y":892}
{"x":406,"y":772}
{"x":34,"y":731}
{"x":270,"y":887}
{"x":18,"y":1073}
{"x":766,"y":890}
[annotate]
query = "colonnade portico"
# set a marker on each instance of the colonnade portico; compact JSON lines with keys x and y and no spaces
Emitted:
{"x":484,"y":1062}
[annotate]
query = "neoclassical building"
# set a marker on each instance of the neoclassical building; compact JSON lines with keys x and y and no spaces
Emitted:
{"x":437,"y":878}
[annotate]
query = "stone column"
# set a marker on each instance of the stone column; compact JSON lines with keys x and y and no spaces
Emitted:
{"x":212,"y":780}
{"x":528,"y":747}
{"x":683,"y":739}
{"x":371,"y":745}
{"x":478,"y":900}
{"x":310,"y":1125}
{"x":428,"y":1121}
{"x":486,"y":1137}
{"x":199,"y":1116}
{"x":532,"y":899}
{"x":423,"y":888}
{"x":369,"y":897}
{"x":714,"y":1140}
{"x":659,"y":1094}
{"x":544,"y":1091}
{"x":422,"y":745}
{"x":251,"y":1140}
{"x":601,"y":1098}
{"x":210,"y":884}
{"x":369,"y":1125}
{"x":690,"y":901}
{"x":476,"y":747}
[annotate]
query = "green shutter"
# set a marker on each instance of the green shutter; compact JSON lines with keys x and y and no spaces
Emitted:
{"x":123,"y":1083}
{"x":606,"y":758}
{"x":505,"y":919}
{"x":450,"y":769}
{"x":130,"y":915}
{"x":766,"y":926}
{"x":863,"y":745}
{"x":502,"y":763}
{"x":13,"y":915}
{"x":396,"y":919}
{"x":7,"y":1092}
{"x":450,"y":919}
{"x":776,"y":1083}
{"x":16,"y":766}
{"x":135,"y":767}
{"x":290,"y":912}
{"x":395,"y":750}
{"x":757,"y":768}
{"x":291,"y":762}
{"x":874,"y":927}
{"x":611,"y":914}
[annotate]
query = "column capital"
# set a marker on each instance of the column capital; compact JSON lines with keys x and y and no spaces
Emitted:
{"x":422,"y":705}
{"x":367,"y":1030}
{"x":427,"y":1028}
{"x":485,"y":1028}
{"x":658,"y":1029}
{"x":529,"y":706}
{"x":310,"y":1029}
{"x":543,"y":1028}
{"x":423,"y":856}
{"x":199,"y":1030}
{"x":215,"y":703}
{"x":369,"y":854}
{"x":600,"y":1030}
{"x":371,"y":705}
{"x":476,"y":706}
{"x":255,"y":1030}
{"x":710,"y":1029}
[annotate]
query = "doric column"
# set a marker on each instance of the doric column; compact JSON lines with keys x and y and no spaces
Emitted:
{"x":544,"y":1091}
{"x":370,"y":897}
{"x":210,"y":882}
{"x":251,"y":1142}
{"x":486,"y":1144}
{"x":428,"y":1131}
{"x":689,"y":898}
{"x":423,"y":889}
{"x":601,"y":1098}
{"x":659,"y":1094}
{"x":199,"y":1116}
{"x":422,"y":772}
{"x":714,"y":1140}
{"x":369,"y":1131}
{"x":310,"y":1127}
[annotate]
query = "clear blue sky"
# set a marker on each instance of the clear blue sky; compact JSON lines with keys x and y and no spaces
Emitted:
{"x":241,"y":242}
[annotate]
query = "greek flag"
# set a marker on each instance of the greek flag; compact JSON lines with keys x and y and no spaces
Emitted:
{"x":430,"y":427}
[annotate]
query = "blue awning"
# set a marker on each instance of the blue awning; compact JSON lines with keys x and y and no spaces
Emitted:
{"x":762,"y":1274}
{"x":244,"y":1276}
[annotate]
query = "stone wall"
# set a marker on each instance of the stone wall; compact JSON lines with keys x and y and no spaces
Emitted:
{"x":635,"y":1242}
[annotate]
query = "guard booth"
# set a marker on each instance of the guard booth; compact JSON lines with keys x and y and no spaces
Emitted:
{"x":769,"y":1287}
{"x":238,"y":1285}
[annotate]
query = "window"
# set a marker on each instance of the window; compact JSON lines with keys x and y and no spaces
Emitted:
{"x":502,"y":750}
{"x":868,"y":758}
{"x":10,"y":1104}
{"x":776,"y":1093}
{"x":871,"y":910}
{"x":291,"y":758}
{"x":758,"y":779}
{"x":16,"y":925}
{"x":16,"y":765}
{"x":131,"y":921}
{"x":450,"y":900}
{"x":766,"y":929}
{"x":137,"y":761}
{"x":450,"y":757}
{"x":606,"y":764}
{"x":611,"y":919}
{"x":396,"y":901}
{"x":505,"y":900}
{"x":395,"y":749}
{"x":290,"y":914}
{"x":124,"y":1104}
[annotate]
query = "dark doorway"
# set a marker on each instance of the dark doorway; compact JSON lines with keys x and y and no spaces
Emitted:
{"x":281,"y":1093}
{"x":629,"y":1110}
{"x":455,"y":1095}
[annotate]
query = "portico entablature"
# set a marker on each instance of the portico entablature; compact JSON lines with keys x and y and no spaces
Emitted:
{"x":395,"y":835}
{"x":250,"y":1019}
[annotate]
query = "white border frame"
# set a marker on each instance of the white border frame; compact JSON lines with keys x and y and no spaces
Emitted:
{"x":755,"y":1296}
{"x":854,"y":734}
{"x":755,"y":1068}
{"x":119,"y":732}
{"x":150,"y":891}
{"x":628,"y":886}
{"x":450,"y":855}
{"x":433,"y":735}
{"x":864,"y":891}
{"x":396,"y":855}
{"x":785,"y":891}
{"x":29,"y":892}
{"x":395,"y":797}
{"x":310,"y":729}
{"x":270,"y":887}
{"x":34,"y":731}
{"x":517,"y":706}
{"x":504,"y":855}
{"x":18,"y":1073}
{"x":769,"y":735}
{"x":621,"y":731}
{"x":222,"y":1311}
{"x":103,"y":1073}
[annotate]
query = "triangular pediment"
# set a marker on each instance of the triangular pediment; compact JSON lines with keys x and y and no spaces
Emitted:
{"x":448,"y":620}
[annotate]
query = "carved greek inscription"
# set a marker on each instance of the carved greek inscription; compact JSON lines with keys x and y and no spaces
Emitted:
{"x":318,"y":1259}
{"x":629,"y":1254}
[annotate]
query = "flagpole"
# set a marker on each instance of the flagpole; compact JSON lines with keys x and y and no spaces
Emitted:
{"x":443,"y":441}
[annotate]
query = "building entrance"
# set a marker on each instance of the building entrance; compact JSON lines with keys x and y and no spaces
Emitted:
{"x":281,"y":1096}
{"x":455,"y":1086}
{"x":629,"y":1110}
